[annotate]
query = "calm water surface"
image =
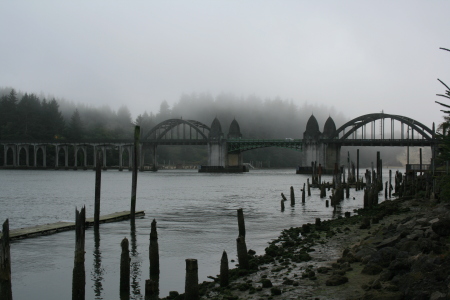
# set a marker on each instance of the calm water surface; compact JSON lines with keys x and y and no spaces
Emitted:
{"x":196,"y":215}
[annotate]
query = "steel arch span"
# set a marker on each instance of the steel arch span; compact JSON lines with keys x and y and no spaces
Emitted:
{"x":362,"y":121}
{"x":162,"y":129}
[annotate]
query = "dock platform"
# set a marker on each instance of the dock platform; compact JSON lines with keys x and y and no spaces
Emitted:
{"x":46,"y":229}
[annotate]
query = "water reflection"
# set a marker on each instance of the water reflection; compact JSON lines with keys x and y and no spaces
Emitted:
{"x":98,"y":271}
{"x":135,"y":263}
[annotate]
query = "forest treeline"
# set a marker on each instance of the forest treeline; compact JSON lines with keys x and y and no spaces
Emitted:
{"x":31,"y":117}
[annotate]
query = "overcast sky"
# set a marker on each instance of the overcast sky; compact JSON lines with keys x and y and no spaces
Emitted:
{"x":359,"y":56}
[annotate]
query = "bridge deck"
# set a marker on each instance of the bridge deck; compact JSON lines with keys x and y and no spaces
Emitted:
{"x":46,"y":229}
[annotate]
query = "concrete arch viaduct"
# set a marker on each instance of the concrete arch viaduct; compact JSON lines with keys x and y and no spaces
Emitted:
{"x":226,"y":150}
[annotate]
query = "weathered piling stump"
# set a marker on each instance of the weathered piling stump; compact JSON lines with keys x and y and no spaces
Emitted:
{"x":242,"y":253}
{"x":327,"y":203}
{"x":154,"y":252}
{"x":303,"y":193}
{"x":224,"y":270}
{"x":390,"y":183}
{"x":98,"y":184}
{"x":125,"y":270}
{"x":5,"y":264}
{"x":241,"y":223}
{"x":347,"y":190}
{"x":318,"y":222}
{"x":191,"y":283}
{"x":309,"y":187}
{"x":79,"y":274}
{"x":137,"y":134}
{"x":151,"y":290}
{"x":284,"y":197}
{"x":282,"y":205}
{"x":292,"y":196}
{"x":386,"y":190}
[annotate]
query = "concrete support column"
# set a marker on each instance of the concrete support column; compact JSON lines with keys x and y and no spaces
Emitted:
{"x":120,"y":158}
{"x":95,"y":156}
{"x":44,"y":156}
{"x":66,"y":156}
{"x":104,"y":156}
{"x":57,"y":156}
{"x":130,"y":157}
{"x":141,"y":157}
{"x":75,"y":152}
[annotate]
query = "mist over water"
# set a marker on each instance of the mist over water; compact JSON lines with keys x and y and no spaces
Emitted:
{"x":195,"y":213}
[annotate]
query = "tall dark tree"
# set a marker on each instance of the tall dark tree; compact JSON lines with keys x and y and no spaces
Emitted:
{"x":29,"y":113}
{"x":8,"y":115}
{"x":75,"y":130}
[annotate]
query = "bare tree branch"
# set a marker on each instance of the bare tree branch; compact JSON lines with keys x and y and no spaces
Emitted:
{"x":444,"y":84}
{"x":444,"y":49}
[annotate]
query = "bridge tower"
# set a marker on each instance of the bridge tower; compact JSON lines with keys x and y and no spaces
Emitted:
{"x":331,"y":151}
{"x":217,"y":149}
{"x":312,"y":149}
{"x":235,"y":159}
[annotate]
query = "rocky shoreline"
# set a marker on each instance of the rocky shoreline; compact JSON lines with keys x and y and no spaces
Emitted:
{"x":398,"y":249}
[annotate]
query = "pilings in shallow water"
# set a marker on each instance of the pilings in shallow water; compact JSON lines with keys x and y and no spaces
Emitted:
{"x":292,"y":196}
{"x":125,"y":270}
{"x":282,"y":205}
{"x":5,"y":264}
{"x":224,"y":270}
{"x":241,"y":222}
{"x":79,"y":274}
{"x":309,"y":186}
{"x":154,"y":252}
{"x":242,"y":253}
{"x":191,"y":283}
{"x":98,"y":184}
{"x":137,"y":134}
{"x":303,"y":193}
{"x":283,"y":196}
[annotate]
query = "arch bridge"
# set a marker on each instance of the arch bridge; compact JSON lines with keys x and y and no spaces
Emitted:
{"x":376,"y":129}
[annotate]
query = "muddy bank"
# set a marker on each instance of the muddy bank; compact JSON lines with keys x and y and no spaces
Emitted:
{"x":396,"y":250}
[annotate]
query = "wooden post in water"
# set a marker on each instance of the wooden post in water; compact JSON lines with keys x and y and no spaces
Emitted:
{"x":191,"y":283}
{"x":125,"y":270}
{"x":386,"y":190}
{"x":154,"y":252}
{"x":241,"y":223}
{"x":242,"y":252}
{"x":137,"y":133}
{"x":327,"y":203}
{"x":420,"y":160}
{"x":224,"y":270}
{"x":347,"y":190}
{"x":282,"y":205}
{"x":284,"y":197}
{"x":79,"y":274}
{"x":390,"y":183}
{"x":5,"y":264}
{"x":98,"y":184}
{"x":151,"y":290}
{"x":357,"y":169}
{"x":309,"y":187}
{"x":303,"y":193}
{"x":292,"y":196}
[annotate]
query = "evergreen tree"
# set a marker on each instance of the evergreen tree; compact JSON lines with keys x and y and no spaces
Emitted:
{"x":75,"y":130}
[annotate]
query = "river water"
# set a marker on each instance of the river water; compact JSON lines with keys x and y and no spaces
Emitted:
{"x":195,"y":213}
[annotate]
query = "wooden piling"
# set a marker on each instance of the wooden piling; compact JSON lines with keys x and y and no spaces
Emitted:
{"x":347,"y":190}
{"x":137,"y":133}
{"x":390,"y":184}
{"x":292,"y":196}
{"x":318,"y":222}
{"x":309,"y":186}
{"x":154,"y":252}
{"x":282,"y":205}
{"x":357,"y":166}
{"x":125,"y":270}
{"x":5,"y":264}
{"x":224,"y":270}
{"x":151,"y":290}
{"x":79,"y":274}
{"x":327,"y":203}
{"x":303,"y":193}
{"x":241,"y":223}
{"x":420,"y":160}
{"x":284,"y":197}
{"x":191,"y":283}
{"x":242,"y":253}
{"x":98,"y":184}
{"x":386,"y":190}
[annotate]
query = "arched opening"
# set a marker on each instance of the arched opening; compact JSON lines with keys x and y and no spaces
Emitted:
{"x":9,"y":156}
{"x":23,"y":156}
{"x":39,"y":157}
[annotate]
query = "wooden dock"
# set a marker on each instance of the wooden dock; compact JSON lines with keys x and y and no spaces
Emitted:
{"x":28,"y":232}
